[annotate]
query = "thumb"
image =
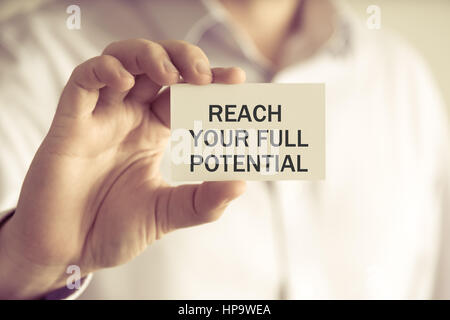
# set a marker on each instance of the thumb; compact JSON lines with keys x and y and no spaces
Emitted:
{"x":190,"y":205}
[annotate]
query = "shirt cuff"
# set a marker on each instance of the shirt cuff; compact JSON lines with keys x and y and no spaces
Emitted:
{"x":4,"y":215}
{"x":69,"y":294}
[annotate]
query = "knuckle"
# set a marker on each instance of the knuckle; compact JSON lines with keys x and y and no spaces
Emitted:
{"x":82,"y":70}
{"x":149,"y":49}
{"x":106,"y":61}
{"x":141,"y":40}
{"x":78,"y":69}
{"x":105,"y":65}
{"x":80,"y":75}
{"x":110,"y":47}
{"x":190,"y":51}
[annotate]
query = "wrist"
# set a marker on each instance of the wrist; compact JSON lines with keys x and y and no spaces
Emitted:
{"x":20,"y":279}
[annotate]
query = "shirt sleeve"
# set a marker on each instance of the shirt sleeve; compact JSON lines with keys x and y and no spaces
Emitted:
{"x":433,"y":131}
{"x":442,"y":281}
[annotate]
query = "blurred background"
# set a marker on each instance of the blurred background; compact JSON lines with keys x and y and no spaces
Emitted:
{"x":425,"y":24}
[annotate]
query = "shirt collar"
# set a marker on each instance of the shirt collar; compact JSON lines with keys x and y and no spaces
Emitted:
{"x":191,"y":20}
{"x":181,"y":18}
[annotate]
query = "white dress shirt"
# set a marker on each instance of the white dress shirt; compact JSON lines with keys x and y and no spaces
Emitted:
{"x":372,"y":229}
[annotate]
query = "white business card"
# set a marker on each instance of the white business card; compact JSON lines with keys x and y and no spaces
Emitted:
{"x":248,"y":132}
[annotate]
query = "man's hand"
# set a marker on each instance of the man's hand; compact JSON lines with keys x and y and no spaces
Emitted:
{"x":93,"y":195}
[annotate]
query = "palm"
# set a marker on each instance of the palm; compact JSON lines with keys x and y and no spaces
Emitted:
{"x":122,"y":208}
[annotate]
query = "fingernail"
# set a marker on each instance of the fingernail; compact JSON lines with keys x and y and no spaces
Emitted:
{"x":202,"y":67}
{"x":169,"y":67}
